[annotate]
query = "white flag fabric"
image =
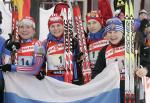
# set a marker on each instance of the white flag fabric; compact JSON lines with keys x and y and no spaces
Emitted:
{"x":147,"y":89}
{"x":44,"y":17}
{"x":20,"y":88}
{"x":6,"y":21}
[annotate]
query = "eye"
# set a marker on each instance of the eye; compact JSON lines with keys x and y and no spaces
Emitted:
{"x":21,"y":26}
{"x":108,"y":33}
{"x":88,"y":23}
{"x":28,"y":27}
{"x":94,"y":22}
{"x":52,"y":27}
{"x":58,"y":25}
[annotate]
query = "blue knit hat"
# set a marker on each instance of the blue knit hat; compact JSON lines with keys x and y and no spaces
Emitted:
{"x":114,"y":24}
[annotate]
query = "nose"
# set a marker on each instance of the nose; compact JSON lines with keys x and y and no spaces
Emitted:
{"x":91,"y":25}
{"x":24,"y":29}
{"x":55,"y":27}
{"x":110,"y":34}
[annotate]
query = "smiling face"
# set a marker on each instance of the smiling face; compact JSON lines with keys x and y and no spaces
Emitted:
{"x":93,"y":26}
{"x":143,"y":16}
{"x":56,"y":29}
{"x":114,"y":36}
{"x":26,"y":31}
{"x":121,"y":16}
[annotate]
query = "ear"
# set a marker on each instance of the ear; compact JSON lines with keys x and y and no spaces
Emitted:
{"x":34,"y":32}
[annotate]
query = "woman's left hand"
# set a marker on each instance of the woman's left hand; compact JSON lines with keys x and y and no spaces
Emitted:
{"x":141,"y":72}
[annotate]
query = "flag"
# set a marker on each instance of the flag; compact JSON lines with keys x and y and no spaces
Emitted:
{"x":23,"y":7}
{"x":146,"y":82}
{"x":105,"y":8}
{"x":26,"y":8}
{"x":20,"y":88}
{"x":35,"y":13}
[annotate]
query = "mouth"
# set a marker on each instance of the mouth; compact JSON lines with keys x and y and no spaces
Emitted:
{"x":93,"y":29}
{"x":24,"y":34}
{"x":113,"y":39}
{"x":57,"y":32}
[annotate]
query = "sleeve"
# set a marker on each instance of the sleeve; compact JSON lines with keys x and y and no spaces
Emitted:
{"x":6,"y":57}
{"x":148,"y":74}
{"x":100,"y":63}
{"x":39,"y":53}
{"x":144,"y":51}
{"x":6,"y":54}
{"x":2,"y":47}
{"x":77,"y":71}
{"x":147,"y":65}
{"x":136,"y":41}
{"x":144,"y":55}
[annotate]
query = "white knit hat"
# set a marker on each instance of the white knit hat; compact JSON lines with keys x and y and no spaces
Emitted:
{"x":143,"y":11}
{"x":114,"y":24}
{"x":27,"y":21}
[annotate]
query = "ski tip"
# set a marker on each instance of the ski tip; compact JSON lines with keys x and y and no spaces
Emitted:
{"x":59,"y":6}
{"x":76,"y":10}
{"x":126,"y":9}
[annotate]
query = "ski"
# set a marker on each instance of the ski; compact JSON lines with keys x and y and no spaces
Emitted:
{"x":72,"y":36}
{"x":127,"y":53}
{"x":86,"y":70}
{"x":68,"y":42}
{"x":132,"y":52}
{"x":66,"y":75}
{"x":14,"y":37}
{"x":70,"y":39}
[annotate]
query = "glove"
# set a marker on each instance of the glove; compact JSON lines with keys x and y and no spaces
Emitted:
{"x":0,"y":31}
{"x":6,"y":67}
{"x":41,"y":75}
{"x":10,"y":45}
{"x":80,"y":57}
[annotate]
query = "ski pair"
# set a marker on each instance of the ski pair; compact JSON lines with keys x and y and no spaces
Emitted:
{"x":73,"y":26}
{"x":130,"y":60}
{"x":86,"y":70}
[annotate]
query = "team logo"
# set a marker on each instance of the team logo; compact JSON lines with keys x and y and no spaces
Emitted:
{"x":93,"y":14}
{"x":113,"y":26}
{"x":55,"y":19}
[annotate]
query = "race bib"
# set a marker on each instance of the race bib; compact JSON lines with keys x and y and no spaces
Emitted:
{"x":55,"y":61}
{"x":25,"y":60}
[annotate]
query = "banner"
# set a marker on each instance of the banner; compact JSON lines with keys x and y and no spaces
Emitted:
{"x":147,"y":89}
{"x":20,"y":88}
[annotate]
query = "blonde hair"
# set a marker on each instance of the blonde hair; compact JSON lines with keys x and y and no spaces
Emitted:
{"x":26,"y":21}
